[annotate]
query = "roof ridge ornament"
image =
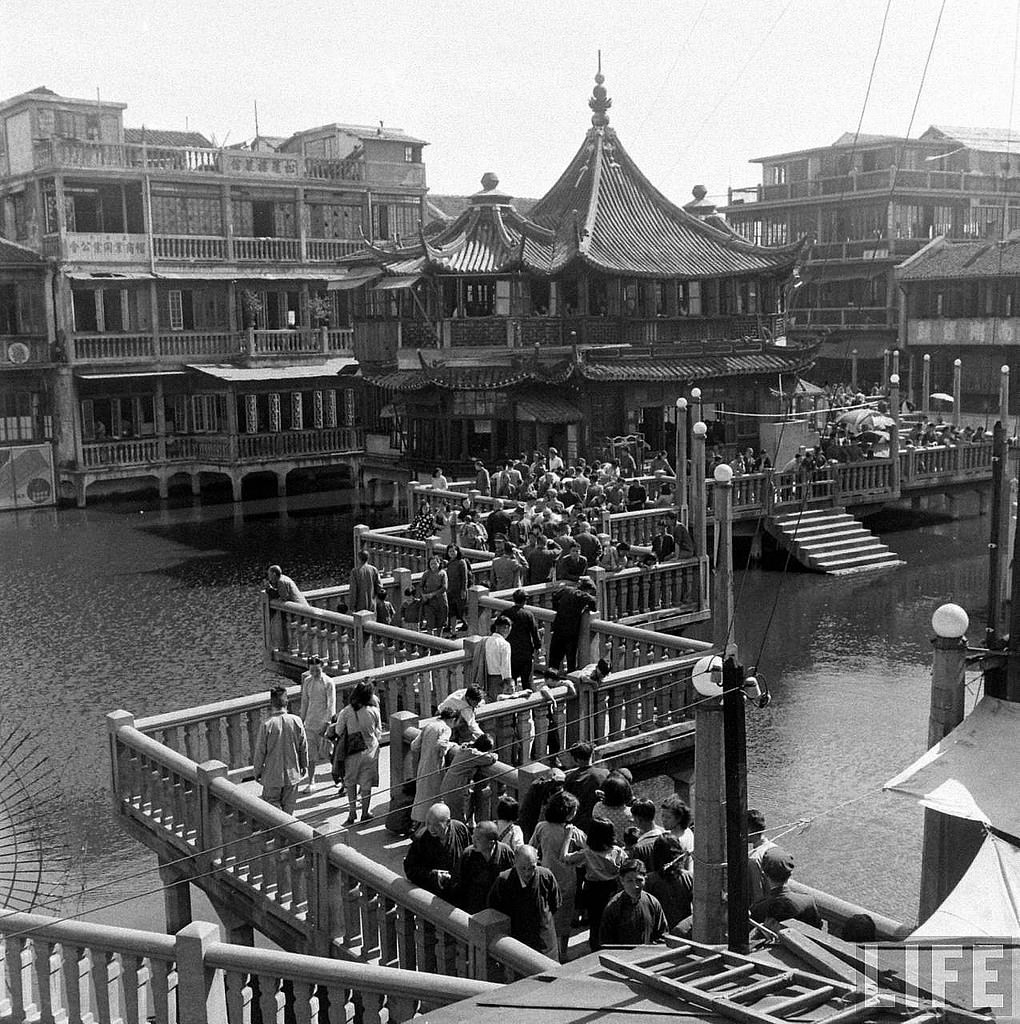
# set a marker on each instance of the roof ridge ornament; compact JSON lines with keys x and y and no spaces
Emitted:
{"x":599,"y":101}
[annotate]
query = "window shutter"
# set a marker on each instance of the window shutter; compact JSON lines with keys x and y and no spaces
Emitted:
{"x":176,"y":309}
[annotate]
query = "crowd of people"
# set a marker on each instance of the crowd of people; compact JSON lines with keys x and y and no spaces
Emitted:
{"x":583,"y":853}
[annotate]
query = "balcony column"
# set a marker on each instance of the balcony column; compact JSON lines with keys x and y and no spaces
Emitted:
{"x":302,"y":223}
{"x":58,"y":191}
{"x":159,"y":415}
{"x":232,"y":425}
{"x":154,"y":313}
{"x":227,"y":216}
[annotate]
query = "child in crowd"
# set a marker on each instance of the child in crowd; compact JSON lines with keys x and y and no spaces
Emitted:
{"x":410,"y":607}
{"x":509,"y":832}
{"x":615,"y":798}
{"x":601,"y":858}
{"x":383,"y":608}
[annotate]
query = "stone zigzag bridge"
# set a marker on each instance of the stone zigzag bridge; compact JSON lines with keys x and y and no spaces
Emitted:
{"x":351,"y":925}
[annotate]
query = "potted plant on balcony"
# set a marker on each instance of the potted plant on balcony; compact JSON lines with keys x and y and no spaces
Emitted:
{"x":251,"y":307}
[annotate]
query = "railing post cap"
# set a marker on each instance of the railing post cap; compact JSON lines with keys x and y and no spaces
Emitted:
{"x":119,"y":720}
{"x":364,"y":616}
{"x":404,"y":719}
{"x":203,"y":932}
{"x":209,"y":770}
{"x":478,"y":588}
{"x":492,"y":924}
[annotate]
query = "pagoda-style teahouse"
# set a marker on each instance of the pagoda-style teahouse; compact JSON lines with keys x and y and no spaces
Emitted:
{"x":499,"y":333}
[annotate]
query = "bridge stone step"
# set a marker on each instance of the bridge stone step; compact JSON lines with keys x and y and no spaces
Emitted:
{"x":831,"y":541}
{"x":858,"y":540}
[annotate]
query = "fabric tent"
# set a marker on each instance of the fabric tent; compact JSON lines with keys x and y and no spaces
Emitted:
{"x":985,"y":902}
{"x":973,"y":773}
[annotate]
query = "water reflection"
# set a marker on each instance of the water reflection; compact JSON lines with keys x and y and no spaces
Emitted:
{"x":154,"y":608}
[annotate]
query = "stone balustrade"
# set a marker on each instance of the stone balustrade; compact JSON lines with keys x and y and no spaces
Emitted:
{"x":304,"y":889}
{"x":95,"y":974}
{"x":389,"y":551}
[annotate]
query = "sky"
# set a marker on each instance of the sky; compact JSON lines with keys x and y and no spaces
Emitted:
{"x":698,"y":88}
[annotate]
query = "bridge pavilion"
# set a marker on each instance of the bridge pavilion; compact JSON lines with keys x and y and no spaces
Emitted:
{"x":584,"y":319}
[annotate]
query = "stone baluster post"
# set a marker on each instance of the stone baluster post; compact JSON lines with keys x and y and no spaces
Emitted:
{"x":698,"y":487}
{"x":400,"y":723}
{"x":363,"y":642}
{"x":680,"y":463}
{"x":201,"y":996}
{"x":926,"y":385}
{"x":894,"y":433}
{"x":484,"y":929}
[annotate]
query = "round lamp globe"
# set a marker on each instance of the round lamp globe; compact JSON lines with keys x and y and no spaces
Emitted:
{"x":950,"y":621}
{"x":707,"y":676}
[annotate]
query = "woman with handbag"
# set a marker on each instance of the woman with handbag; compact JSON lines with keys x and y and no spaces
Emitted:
{"x":318,"y":708}
{"x":358,"y":729}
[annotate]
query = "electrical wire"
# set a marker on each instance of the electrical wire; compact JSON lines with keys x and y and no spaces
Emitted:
{"x":275,"y":851}
{"x":343,"y":829}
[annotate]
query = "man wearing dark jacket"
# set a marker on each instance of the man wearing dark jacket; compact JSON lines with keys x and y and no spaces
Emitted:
{"x":480,"y":867}
{"x":434,"y":855}
{"x":570,"y":607}
{"x":497,"y":522}
{"x":781,"y":903}
{"x":584,"y":781}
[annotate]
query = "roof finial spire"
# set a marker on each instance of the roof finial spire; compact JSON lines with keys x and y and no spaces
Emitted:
{"x":599,"y":101}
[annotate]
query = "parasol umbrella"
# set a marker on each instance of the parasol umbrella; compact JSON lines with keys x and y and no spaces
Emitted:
{"x":874,"y":436}
{"x":941,"y":396}
{"x":866,"y":419}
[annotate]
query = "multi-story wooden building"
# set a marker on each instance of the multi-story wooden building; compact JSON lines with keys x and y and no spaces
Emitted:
{"x":961,"y":300}
{"x":869,"y":202}
{"x":29,"y":379}
{"x":582,"y":320}
{"x":202,"y":323}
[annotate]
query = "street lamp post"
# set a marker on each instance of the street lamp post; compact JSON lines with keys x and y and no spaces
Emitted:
{"x":680,"y":460}
{"x":699,"y":430}
{"x":948,"y":844}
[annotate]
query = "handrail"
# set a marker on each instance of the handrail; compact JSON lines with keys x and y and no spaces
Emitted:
{"x":295,"y":850}
{"x":193,"y":976}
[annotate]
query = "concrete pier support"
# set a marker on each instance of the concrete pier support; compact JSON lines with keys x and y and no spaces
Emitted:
{"x":176,"y":897}
{"x":163,"y":485}
{"x":235,"y":486}
{"x":196,"y":484}
{"x":236,"y":929}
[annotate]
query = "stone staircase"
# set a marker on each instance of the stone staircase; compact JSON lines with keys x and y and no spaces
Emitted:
{"x":830,"y":540}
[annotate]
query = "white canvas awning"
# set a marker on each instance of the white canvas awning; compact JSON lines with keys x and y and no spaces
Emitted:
{"x":974,"y":772}
{"x":354,"y":278}
{"x":985,"y":902}
{"x":249,"y":374}
{"x":393,"y":284}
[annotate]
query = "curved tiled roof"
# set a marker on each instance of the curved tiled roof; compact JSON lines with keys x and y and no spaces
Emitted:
{"x":602,"y":212}
{"x":489,"y":237}
{"x":946,"y":259}
{"x":626,"y":226}
{"x":742,"y":361}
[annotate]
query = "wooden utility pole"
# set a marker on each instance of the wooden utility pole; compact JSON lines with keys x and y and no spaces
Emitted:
{"x":735,"y":739}
{"x":710,"y":854}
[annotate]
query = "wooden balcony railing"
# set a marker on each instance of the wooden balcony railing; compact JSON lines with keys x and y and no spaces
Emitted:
{"x":54,"y":970}
{"x":324,"y":441}
{"x":869,"y":181}
{"x":98,"y":348}
{"x":328,"y":250}
{"x":56,"y":153}
{"x":189,"y":247}
{"x":273,"y":250}
{"x":303,"y":889}
{"x":844,"y":316}
{"x":20,"y":349}
{"x":121,"y":453}
{"x":181,"y":345}
{"x":286,"y":342}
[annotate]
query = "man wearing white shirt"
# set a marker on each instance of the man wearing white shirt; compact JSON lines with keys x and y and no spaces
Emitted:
{"x":498,"y":677}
